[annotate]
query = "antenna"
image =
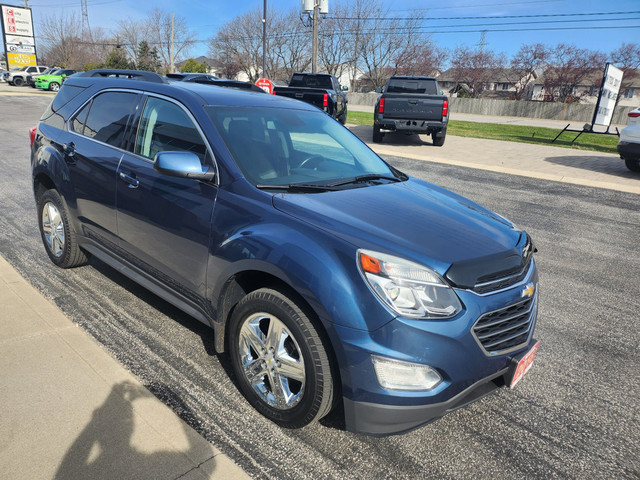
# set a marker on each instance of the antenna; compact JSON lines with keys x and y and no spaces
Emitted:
{"x":483,"y":40}
{"x":85,"y":18}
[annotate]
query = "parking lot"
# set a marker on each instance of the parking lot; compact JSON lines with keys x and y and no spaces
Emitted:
{"x":575,"y":415}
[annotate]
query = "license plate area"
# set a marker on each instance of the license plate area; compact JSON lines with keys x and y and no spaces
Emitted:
{"x":520,"y":366}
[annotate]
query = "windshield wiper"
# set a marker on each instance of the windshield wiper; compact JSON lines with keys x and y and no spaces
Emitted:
{"x":365,"y":178}
{"x":299,"y":187}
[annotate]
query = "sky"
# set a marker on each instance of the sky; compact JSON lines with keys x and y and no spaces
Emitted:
{"x":560,"y":23}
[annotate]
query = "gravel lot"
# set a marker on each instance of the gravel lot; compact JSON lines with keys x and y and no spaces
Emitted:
{"x":575,"y":415}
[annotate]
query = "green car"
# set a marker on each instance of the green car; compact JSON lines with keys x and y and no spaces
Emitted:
{"x":53,"y":81}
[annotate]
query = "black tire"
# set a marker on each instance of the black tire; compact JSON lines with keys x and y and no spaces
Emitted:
{"x":377,"y":135}
{"x":18,"y":81}
{"x":633,"y":165}
{"x":58,"y":236}
{"x":300,"y":348}
{"x":342,"y":118}
{"x":54,"y":86}
{"x":438,"y":138}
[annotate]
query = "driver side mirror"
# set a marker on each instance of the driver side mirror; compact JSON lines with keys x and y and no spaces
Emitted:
{"x":345,"y":88}
{"x":182,"y":165}
{"x":378,"y":90}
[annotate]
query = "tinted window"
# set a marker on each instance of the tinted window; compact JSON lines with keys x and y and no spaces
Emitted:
{"x":418,"y":87}
{"x":319,"y":81}
{"x":108,"y":117}
{"x":77,"y":124}
{"x":164,"y":126}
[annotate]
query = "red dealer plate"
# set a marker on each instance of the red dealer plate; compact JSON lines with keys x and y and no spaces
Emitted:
{"x":524,"y":365}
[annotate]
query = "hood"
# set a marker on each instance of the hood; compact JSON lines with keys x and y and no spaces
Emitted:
{"x":47,"y":77}
{"x":412,"y":219}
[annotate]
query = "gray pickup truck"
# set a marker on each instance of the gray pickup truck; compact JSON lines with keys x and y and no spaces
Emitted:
{"x":412,"y":105}
{"x":319,"y":89}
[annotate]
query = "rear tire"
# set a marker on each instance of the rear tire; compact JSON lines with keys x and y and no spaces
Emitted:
{"x":279,"y":359}
{"x":342,"y":118}
{"x":633,"y":165}
{"x":377,"y":135}
{"x":438,"y":138}
{"x":58,"y":236}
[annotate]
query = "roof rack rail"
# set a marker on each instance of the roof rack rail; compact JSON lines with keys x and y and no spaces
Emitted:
{"x":130,"y":74}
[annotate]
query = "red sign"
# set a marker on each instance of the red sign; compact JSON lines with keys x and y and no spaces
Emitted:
{"x":265,"y":84}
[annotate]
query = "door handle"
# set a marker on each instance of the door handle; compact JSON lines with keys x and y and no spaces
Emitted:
{"x":69,"y":149}
{"x":131,"y":180}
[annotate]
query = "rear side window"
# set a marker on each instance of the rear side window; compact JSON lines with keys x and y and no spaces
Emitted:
{"x":108,"y":117}
{"x":418,"y":87}
{"x":164,"y":126}
{"x":77,"y":123}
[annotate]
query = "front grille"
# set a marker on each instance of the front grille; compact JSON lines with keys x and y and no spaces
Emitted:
{"x":507,"y":328}
{"x":502,"y":280}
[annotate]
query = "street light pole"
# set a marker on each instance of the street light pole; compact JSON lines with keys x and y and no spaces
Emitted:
{"x":264,"y":40}
{"x":316,"y":14}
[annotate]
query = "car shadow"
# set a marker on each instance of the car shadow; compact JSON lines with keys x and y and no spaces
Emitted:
{"x":364,"y":133}
{"x":600,"y":164}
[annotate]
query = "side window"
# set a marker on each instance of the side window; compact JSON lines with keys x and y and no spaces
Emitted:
{"x":77,"y":123}
{"x":164,"y":126}
{"x":108,"y":117}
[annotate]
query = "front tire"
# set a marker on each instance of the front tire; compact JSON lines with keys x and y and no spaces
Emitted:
{"x":18,"y":82}
{"x":633,"y":165}
{"x":279,"y":359}
{"x":57,"y":234}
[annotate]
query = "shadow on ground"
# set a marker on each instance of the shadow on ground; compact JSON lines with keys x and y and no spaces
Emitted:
{"x":602,"y":164}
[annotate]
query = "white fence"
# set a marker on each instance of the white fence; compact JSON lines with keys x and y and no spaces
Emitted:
{"x":571,"y":112}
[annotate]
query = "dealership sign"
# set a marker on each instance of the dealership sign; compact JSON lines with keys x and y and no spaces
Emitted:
{"x":17,"y":32}
{"x":608,"y":95}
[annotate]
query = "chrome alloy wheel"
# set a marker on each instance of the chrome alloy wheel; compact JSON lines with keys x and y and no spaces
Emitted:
{"x":53,"y":228}
{"x":272,"y":361}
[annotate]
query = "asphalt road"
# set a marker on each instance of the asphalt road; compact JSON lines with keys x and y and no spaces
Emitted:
{"x":575,"y":415}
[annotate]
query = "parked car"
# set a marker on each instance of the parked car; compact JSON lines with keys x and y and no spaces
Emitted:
{"x":629,"y":143}
{"x":5,"y":73}
{"x":31,"y":79}
{"x":52,"y":81}
{"x":19,"y":77}
{"x":207,"y":79}
{"x":327,"y":274}
{"x":319,"y":89}
{"x":411,"y":105}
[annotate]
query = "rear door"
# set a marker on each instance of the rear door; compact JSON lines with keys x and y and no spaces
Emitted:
{"x":92,"y":149}
{"x":164,"y":221}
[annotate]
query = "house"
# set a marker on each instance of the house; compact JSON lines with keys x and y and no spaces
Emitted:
{"x":588,"y":89}
{"x":500,"y":83}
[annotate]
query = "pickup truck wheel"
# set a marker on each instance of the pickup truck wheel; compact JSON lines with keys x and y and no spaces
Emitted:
{"x":54,"y":86}
{"x":342,"y":118}
{"x":18,"y":81}
{"x":377,"y":135}
{"x":437,"y":140}
{"x":58,"y":235}
{"x":633,"y":165}
{"x":279,"y":359}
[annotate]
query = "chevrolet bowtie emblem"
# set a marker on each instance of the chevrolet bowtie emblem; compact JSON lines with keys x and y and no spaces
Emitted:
{"x":529,"y":290}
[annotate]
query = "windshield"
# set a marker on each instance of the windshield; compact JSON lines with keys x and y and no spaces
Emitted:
{"x":279,"y":147}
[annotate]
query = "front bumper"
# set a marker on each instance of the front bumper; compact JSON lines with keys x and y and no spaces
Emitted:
{"x":629,"y":150}
{"x":468,"y":370}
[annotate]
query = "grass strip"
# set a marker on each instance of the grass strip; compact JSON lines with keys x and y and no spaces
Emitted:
{"x":515,"y":133}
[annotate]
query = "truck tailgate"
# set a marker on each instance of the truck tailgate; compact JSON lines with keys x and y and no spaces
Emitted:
{"x":413,"y":108}
{"x":308,"y":95}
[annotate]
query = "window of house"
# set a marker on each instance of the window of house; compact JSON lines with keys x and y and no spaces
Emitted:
{"x":628,"y":93}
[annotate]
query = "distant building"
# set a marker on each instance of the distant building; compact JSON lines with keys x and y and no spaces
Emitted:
{"x":501,"y":83}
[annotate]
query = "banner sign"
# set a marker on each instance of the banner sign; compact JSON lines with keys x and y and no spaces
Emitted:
{"x":608,"y":95}
{"x":17,"y":33}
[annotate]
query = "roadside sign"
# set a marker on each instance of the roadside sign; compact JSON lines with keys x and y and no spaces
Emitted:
{"x":20,"y":59}
{"x":265,"y":84}
{"x":17,"y":33}
{"x":608,"y":95}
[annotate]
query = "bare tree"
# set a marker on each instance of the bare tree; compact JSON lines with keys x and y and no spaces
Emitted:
{"x":525,"y":65}
{"x":288,"y":46}
{"x":627,"y":58}
{"x":131,"y":33}
{"x":476,"y":68}
{"x":60,"y":42}
{"x":336,"y":41}
{"x":424,"y":58}
{"x":159,"y":36}
{"x":569,"y":67}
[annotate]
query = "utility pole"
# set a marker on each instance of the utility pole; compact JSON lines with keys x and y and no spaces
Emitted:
{"x":316,"y":14}
{"x":172,"y":67}
{"x":264,"y":40}
{"x":86,"y":29}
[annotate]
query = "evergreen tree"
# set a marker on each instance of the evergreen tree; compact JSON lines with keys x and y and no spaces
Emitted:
{"x":147,"y":58}
{"x":118,"y":59}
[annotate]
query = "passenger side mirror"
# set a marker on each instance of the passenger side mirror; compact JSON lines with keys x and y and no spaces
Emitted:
{"x":183,"y":165}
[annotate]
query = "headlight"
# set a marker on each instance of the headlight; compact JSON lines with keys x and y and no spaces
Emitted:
{"x":410,"y":289}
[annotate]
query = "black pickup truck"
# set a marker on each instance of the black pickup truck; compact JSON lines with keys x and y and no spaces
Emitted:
{"x":412,"y":105}
{"x":319,"y":89}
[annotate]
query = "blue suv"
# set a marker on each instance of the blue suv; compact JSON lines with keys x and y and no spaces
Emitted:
{"x":327,"y":274}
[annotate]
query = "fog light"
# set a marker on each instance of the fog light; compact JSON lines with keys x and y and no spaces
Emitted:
{"x":399,"y":375}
